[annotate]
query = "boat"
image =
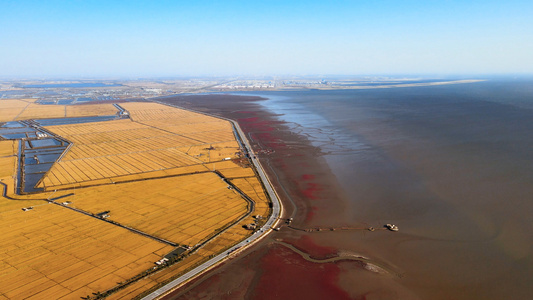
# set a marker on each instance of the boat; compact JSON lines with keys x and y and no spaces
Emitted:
{"x":392,"y":227}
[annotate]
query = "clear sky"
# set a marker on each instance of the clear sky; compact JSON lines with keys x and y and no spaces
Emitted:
{"x":269,"y":37}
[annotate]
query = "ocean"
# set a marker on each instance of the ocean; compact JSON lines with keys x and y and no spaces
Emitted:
{"x":451,"y":166}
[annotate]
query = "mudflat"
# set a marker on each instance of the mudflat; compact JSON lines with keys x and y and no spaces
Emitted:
{"x":447,"y":164}
{"x":311,"y":196}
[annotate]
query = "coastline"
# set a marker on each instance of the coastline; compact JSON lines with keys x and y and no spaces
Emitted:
{"x":441,"y":162}
{"x":272,"y":222}
{"x":301,"y":176}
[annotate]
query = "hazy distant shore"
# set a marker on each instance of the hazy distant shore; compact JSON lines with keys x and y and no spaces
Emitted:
{"x":50,"y":92}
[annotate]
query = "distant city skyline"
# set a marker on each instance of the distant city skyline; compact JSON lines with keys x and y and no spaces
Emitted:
{"x":227,"y":38}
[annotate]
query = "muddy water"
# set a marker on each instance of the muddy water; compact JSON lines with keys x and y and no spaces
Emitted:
{"x":451,"y":166}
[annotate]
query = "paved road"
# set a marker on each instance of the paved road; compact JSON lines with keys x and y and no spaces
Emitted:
{"x":276,"y":213}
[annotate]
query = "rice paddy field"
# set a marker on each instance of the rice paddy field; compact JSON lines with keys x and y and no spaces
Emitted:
{"x":8,"y":158}
{"x":183,"y":209}
{"x":10,"y":109}
{"x":51,"y":252}
{"x":156,"y":137}
{"x":24,"y":109}
{"x":159,"y":173}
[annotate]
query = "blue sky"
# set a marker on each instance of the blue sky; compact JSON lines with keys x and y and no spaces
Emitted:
{"x":182,"y":38}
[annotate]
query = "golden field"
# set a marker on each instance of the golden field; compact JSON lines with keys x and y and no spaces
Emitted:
{"x":53,"y":252}
{"x":153,"y":173}
{"x":8,"y":159}
{"x":10,"y":109}
{"x":156,"y":138}
{"x":23,"y":109}
{"x":183,"y":209}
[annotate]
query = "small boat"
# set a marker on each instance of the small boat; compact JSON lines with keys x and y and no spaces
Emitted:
{"x":392,"y":227}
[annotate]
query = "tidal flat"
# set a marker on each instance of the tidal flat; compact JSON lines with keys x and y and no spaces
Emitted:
{"x":450,"y":165}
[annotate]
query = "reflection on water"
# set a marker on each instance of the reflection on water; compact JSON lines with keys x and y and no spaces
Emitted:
{"x":451,"y":165}
{"x":318,"y":129}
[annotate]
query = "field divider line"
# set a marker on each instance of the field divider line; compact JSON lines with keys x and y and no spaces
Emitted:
{"x":173,"y":133}
{"x":112,"y":222}
{"x":58,"y":187}
{"x":15,"y":118}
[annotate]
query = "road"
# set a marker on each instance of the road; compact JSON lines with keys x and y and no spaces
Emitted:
{"x":277,"y":210}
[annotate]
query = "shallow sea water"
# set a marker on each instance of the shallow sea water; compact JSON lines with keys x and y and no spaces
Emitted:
{"x":450,"y":165}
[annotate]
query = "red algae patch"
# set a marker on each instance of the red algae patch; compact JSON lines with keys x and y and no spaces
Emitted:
{"x":311,"y":189}
{"x":250,"y":119}
{"x":248,"y":112}
{"x":256,"y":124}
{"x":311,"y":213}
{"x":306,"y":244}
{"x":212,"y":287}
{"x":267,"y":138}
{"x":308,"y":177}
{"x":286,"y":275}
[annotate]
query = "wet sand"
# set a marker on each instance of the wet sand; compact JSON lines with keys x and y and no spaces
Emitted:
{"x":303,"y":181}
